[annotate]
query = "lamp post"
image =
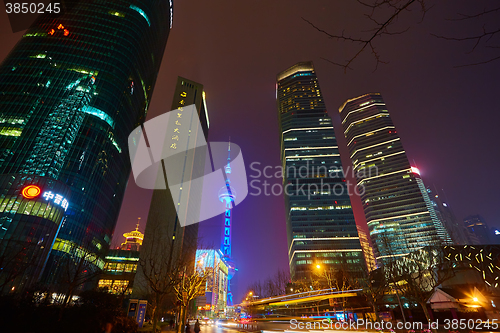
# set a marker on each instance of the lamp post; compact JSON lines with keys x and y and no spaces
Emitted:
{"x":250,"y":295}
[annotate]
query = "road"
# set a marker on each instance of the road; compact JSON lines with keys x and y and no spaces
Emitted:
{"x":213,"y":329}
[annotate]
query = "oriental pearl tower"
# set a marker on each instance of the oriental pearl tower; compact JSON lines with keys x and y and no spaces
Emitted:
{"x":227,"y":194}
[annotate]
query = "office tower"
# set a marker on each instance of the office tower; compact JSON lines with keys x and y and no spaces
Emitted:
{"x":71,"y":91}
{"x":478,"y":229}
{"x":371,"y":263}
{"x":166,"y":243}
{"x":213,"y":303}
{"x":455,"y":229}
{"x":320,"y":223}
{"x":441,"y":231}
{"x":392,"y":192}
{"x":226,"y":196}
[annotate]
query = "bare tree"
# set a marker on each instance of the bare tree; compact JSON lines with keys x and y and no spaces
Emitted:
{"x":339,"y":278}
{"x":159,"y":268}
{"x":190,"y":286}
{"x":256,"y":289}
{"x":382,"y":15}
{"x":167,"y":270}
{"x":389,"y":263}
{"x":16,"y":259}
{"x":272,"y":286}
{"x":79,"y":266}
{"x":374,"y":286}
{"x":484,"y":37}
{"x":421,"y":272}
{"x":282,"y":279}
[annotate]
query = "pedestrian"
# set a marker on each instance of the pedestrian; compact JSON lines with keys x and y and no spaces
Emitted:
{"x":197,"y":328}
{"x":188,"y":329}
{"x":171,"y":323}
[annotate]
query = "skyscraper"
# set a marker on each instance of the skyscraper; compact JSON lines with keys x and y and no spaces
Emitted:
{"x":371,"y":263}
{"x":213,"y":303}
{"x":71,"y":91}
{"x":320,"y":223}
{"x":455,"y":228}
{"x":392,"y":193}
{"x":167,"y":243}
{"x":477,"y":226}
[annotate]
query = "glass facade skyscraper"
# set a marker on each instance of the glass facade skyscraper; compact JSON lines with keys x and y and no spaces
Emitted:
{"x":455,"y":229}
{"x":71,"y":91}
{"x":396,"y":204}
{"x":320,"y":223}
{"x":477,"y":226}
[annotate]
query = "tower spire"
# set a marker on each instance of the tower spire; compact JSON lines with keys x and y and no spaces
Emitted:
{"x":228,"y":166}
{"x":227,"y":195}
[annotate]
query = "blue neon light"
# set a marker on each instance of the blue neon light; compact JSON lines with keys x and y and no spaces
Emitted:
{"x":226,"y":245}
{"x":100,"y":114}
{"x":140,"y":11}
{"x":302,"y":74}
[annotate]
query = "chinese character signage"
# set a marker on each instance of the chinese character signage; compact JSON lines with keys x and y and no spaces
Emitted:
{"x":56,"y":198}
{"x":178,"y":124}
{"x":33,"y":191}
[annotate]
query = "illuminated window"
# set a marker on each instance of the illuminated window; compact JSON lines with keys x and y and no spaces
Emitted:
{"x":10,"y":131}
{"x":112,"y":12}
{"x":105,"y":283}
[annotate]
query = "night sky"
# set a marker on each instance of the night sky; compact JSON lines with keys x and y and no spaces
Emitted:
{"x":447,"y":117}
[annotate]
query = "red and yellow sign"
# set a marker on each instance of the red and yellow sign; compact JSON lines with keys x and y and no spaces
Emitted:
{"x":31,"y":191}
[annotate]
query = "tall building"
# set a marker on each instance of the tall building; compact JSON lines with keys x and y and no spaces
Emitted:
{"x":371,"y":263}
{"x":166,"y":242}
{"x":213,"y":303}
{"x":457,"y":231}
{"x":320,"y":223}
{"x":226,"y":196}
{"x":395,"y":202}
{"x":441,"y":230}
{"x":71,"y":91}
{"x":478,"y":228}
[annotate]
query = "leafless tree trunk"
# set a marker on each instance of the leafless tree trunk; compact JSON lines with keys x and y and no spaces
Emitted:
{"x":79,"y":265}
